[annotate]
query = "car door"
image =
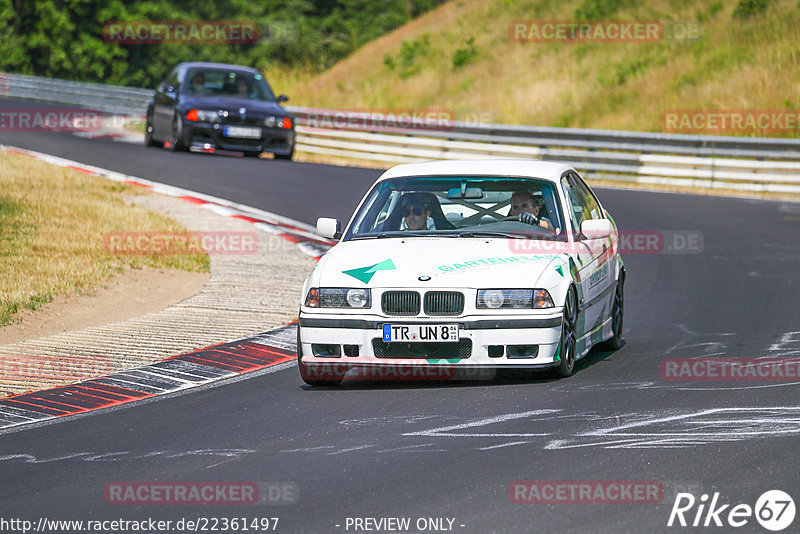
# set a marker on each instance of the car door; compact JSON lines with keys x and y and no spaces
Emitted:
{"x":164,"y":102}
{"x":592,"y":256}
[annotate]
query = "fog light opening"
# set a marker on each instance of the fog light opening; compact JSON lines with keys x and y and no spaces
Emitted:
{"x":351,"y":350}
{"x":522,"y":351}
{"x":326,"y":351}
{"x":495,"y":351}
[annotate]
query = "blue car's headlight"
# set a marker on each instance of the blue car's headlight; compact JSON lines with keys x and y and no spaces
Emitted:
{"x":202,"y":115}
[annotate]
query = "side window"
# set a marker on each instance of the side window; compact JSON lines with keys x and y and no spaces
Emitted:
{"x":593,"y":208}
{"x":577,"y":209}
{"x":172,"y":80}
{"x":385,"y":210}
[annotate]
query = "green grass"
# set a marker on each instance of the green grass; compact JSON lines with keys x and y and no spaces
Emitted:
{"x":52,"y":223}
{"x":745,"y":56}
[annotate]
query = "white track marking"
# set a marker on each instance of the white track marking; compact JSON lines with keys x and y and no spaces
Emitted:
{"x":448,"y":431}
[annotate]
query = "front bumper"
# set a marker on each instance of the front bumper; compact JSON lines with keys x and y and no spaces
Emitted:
{"x":527,"y":342}
{"x":274,"y":140}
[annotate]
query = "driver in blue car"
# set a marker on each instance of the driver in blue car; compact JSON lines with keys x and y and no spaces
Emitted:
{"x":526,"y":208}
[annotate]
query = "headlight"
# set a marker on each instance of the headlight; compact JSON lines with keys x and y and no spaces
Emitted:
{"x":201,"y":115}
{"x":542,"y":299}
{"x":514,"y":298}
{"x":338,"y":298}
{"x":272,"y":121}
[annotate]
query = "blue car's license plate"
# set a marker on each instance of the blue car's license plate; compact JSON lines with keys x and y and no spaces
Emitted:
{"x":241,"y":131}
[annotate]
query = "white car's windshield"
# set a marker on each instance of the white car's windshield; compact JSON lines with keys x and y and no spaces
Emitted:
{"x":459,"y":206}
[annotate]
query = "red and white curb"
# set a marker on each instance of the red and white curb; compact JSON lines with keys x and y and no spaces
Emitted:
{"x":299,"y":233}
{"x":178,"y":372}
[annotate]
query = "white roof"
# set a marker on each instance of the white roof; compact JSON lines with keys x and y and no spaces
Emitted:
{"x":481,"y":167}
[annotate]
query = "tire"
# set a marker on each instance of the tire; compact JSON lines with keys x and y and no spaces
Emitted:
{"x":336,"y":372}
{"x":617,"y":315}
{"x":148,"y":132}
{"x":176,"y":136}
{"x":569,"y":338}
{"x":252,"y":154}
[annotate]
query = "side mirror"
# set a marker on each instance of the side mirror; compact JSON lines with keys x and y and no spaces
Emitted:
{"x":596,"y":228}
{"x":283,"y":98}
{"x":330,"y":228}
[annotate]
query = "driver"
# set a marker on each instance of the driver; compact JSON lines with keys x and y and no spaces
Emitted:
{"x":415,"y":211}
{"x":198,"y":83}
{"x":242,"y":88}
{"x":526,"y":208}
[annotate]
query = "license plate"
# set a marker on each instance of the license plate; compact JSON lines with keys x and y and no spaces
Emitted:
{"x":414,"y":333}
{"x":239,"y":131}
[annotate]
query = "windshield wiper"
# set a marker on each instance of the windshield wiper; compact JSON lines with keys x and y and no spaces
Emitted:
{"x":386,"y":236}
{"x":488,"y":234}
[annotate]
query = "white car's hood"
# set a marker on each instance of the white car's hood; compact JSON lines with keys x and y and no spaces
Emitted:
{"x":449,"y":262}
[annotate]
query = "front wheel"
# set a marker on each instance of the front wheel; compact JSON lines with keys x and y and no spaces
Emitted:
{"x":569,"y":340}
{"x":176,"y":136}
{"x":148,"y":132}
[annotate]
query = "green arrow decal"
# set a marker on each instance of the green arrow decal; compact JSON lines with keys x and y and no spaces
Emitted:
{"x":365,"y":274}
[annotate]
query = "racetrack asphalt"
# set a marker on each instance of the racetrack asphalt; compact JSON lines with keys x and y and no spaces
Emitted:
{"x":452,"y":449}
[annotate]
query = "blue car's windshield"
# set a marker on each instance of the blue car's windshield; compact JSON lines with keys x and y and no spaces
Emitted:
{"x":227,"y":83}
{"x":459,"y":206}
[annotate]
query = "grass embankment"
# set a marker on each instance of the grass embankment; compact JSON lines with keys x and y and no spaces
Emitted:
{"x":52,"y":223}
{"x":461,"y":57}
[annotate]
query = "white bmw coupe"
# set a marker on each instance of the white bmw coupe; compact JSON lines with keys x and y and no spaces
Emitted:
{"x":464,"y":264}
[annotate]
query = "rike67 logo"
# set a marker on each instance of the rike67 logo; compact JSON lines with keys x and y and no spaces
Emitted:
{"x":774,"y":510}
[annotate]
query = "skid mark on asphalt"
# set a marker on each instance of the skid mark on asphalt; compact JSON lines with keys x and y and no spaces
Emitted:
{"x":224,"y":454}
{"x":689,"y":429}
{"x":556,"y":429}
{"x":176,"y":373}
{"x":615,"y":386}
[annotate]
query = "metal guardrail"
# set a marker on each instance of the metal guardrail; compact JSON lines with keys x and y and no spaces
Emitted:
{"x":106,"y":98}
{"x":688,"y":160}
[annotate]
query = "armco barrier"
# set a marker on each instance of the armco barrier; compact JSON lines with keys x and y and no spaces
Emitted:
{"x":747,"y":163}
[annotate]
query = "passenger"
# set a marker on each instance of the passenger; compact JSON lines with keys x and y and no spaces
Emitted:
{"x":199,"y":83}
{"x":526,"y":208}
{"x":242,"y":88}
